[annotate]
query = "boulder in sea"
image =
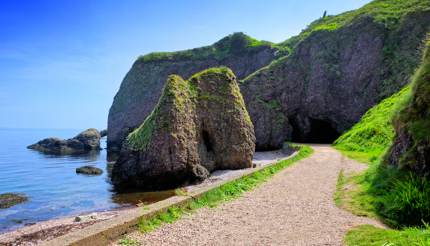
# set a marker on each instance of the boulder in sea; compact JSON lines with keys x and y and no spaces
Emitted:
{"x":84,"y":142}
{"x":198,"y":126}
{"x":103,"y":133}
{"x":8,"y":200}
{"x":89,"y":170}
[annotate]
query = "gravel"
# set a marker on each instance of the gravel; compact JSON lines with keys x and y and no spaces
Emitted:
{"x":295,"y":207}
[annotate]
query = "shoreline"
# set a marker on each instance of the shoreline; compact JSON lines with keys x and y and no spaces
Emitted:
{"x":47,"y":230}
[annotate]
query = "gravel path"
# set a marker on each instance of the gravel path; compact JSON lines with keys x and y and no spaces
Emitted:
{"x":295,"y":207}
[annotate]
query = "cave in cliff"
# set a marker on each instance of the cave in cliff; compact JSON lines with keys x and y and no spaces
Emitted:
{"x":313,"y":131}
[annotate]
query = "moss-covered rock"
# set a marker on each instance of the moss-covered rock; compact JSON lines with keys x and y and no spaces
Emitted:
{"x":198,"y":126}
{"x":334,"y":75}
{"x":143,"y":84}
{"x":89,"y":170}
{"x":8,"y":200}
{"x":86,"y":141}
{"x":411,"y":148}
{"x":331,"y":73}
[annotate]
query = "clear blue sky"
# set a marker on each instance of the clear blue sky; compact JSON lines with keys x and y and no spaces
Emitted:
{"x":61,"y":62}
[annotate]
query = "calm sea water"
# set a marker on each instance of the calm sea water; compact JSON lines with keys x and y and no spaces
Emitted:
{"x":51,"y":183}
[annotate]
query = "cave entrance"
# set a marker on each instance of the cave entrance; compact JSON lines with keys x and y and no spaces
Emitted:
{"x":322,"y":132}
{"x":207,"y":141}
{"x":314,"y":131}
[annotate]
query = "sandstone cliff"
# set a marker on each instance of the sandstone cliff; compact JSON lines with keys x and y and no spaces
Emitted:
{"x":198,"y":126}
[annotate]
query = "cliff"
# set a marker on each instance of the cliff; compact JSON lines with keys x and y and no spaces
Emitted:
{"x":411,"y":147}
{"x":142,"y":86}
{"x":310,"y":88}
{"x":338,"y":68}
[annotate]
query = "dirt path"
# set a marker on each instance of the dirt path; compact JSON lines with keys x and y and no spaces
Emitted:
{"x":295,"y":207}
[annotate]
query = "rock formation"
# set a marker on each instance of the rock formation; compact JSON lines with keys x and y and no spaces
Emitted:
{"x":198,"y":126}
{"x":89,"y":170}
{"x":142,"y":86}
{"x":335,"y":70}
{"x":332,"y":78}
{"x":103,"y":133}
{"x":8,"y":200}
{"x":411,"y":148}
{"x":84,"y":142}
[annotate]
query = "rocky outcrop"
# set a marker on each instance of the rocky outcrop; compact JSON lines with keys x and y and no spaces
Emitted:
{"x":199,"y":125}
{"x":411,"y":147}
{"x":84,"y":142}
{"x":337,"y":68}
{"x":103,"y":133}
{"x":89,"y":170}
{"x":142,"y":86}
{"x":8,"y":200}
{"x":332,"y":78}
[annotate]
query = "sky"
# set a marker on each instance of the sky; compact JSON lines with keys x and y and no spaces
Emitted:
{"x":61,"y":62}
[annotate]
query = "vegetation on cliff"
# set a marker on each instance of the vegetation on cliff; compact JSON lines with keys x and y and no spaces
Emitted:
{"x":235,"y":43}
{"x":411,"y":148}
{"x":396,"y":192}
{"x":368,"y":140}
{"x":198,"y":126}
{"x":387,"y":12}
{"x":143,"y":84}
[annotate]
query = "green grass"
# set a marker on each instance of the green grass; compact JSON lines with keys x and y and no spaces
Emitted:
{"x":367,"y":140}
{"x":128,"y":242}
{"x":223,"y":193}
{"x":386,"y":12}
{"x":340,"y":185}
{"x":395,"y":196}
{"x":368,"y":235}
{"x":414,"y":121}
{"x":234,"y":44}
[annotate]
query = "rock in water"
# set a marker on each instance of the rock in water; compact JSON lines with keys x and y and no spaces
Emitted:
{"x":198,"y":126}
{"x":85,"y":141}
{"x":103,"y":133}
{"x":411,"y":148}
{"x":89,"y":170}
{"x":8,"y":200}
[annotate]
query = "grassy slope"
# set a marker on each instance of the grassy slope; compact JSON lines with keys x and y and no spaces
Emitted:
{"x":235,"y":43}
{"x":387,"y":12}
{"x":367,"y":140}
{"x":414,"y":118}
{"x":397,"y":197}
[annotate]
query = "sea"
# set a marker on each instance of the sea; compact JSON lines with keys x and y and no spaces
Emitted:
{"x":50,"y":182}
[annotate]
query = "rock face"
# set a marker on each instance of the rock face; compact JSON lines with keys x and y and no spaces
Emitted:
{"x":89,"y":170}
{"x":142,"y":86}
{"x":198,"y":126}
{"x":336,"y":69}
{"x":332,"y":78}
{"x":85,"y":141}
{"x":8,"y":200}
{"x":411,"y":148}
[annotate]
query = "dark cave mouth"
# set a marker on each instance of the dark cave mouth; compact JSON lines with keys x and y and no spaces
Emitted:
{"x":319,"y":131}
{"x":207,"y":141}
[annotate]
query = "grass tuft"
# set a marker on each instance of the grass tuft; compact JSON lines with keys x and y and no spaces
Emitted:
{"x":367,"y":235}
